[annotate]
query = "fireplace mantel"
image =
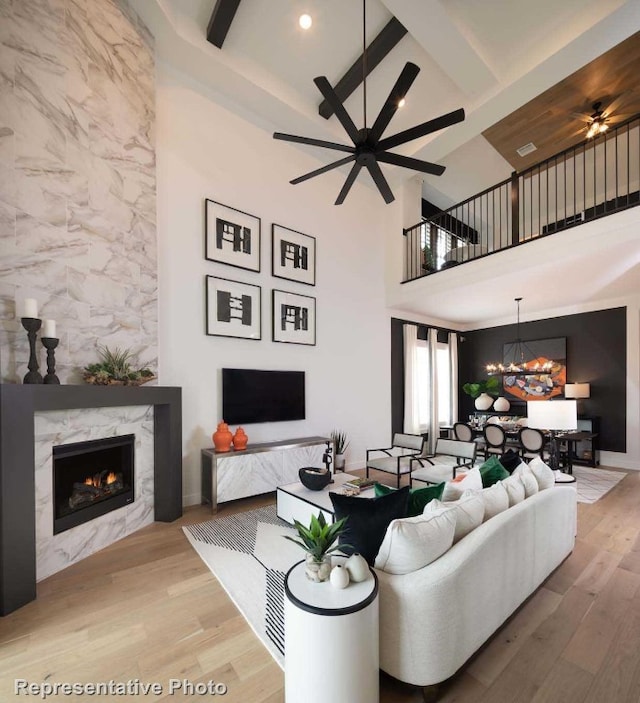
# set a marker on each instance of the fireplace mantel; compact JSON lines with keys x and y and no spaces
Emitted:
{"x":18,"y":404}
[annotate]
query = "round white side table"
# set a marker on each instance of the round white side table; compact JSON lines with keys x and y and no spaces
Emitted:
{"x":331,"y":640}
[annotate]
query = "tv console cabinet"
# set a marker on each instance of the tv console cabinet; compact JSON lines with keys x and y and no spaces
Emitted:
{"x":260,"y":468}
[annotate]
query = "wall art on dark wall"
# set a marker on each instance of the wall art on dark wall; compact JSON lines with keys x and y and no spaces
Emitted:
{"x":232,"y":237}
{"x":233,"y":309}
{"x":293,"y":318}
{"x":293,"y":255}
{"x":538,"y":386}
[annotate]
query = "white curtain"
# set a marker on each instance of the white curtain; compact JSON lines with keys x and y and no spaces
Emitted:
{"x":412,"y":395}
{"x":432,"y":390}
{"x":453,"y":370}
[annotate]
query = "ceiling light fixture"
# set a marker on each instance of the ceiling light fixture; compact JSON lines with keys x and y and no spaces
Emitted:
{"x":368,"y":146}
{"x":521,"y":358}
{"x":402,"y":102}
{"x":305,"y":21}
{"x":598,"y":123}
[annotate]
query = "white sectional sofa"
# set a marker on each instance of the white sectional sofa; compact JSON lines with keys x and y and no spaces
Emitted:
{"x":433,"y":619}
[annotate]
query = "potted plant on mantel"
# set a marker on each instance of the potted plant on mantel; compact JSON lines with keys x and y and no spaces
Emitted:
{"x":114,"y":369}
{"x":339,"y":439}
{"x":482,"y":391}
{"x":317,"y":541}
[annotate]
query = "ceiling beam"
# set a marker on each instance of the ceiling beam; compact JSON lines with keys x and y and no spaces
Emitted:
{"x":389,"y":36}
{"x":220,"y":22}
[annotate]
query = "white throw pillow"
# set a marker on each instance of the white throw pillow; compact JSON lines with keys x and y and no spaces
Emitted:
{"x":528,"y":479}
{"x":413,"y":542}
{"x":495,"y":499}
{"x":544,"y":475}
{"x":515,"y":489}
{"x":454,"y":489}
{"x":469,"y":512}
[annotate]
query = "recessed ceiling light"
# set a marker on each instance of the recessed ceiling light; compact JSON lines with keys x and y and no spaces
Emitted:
{"x":401,"y":103}
{"x":305,"y":21}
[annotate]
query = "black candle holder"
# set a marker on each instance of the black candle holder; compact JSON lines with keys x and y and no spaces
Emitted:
{"x":32,"y":325}
{"x":50,"y":343}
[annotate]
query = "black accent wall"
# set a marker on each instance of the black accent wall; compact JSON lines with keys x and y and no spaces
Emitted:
{"x":596,"y":354}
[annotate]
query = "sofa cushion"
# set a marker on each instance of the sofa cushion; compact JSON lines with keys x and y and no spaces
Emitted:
{"x":495,"y":500}
{"x":510,"y":460}
{"x":528,"y":479}
{"x":453,"y":490}
{"x":515,"y":489}
{"x":492,"y":471}
{"x":418,"y":497}
{"x":544,"y":475}
{"x":368,"y":519}
{"x":413,"y":542}
{"x":469,"y":512}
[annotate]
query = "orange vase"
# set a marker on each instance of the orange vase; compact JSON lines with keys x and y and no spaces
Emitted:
{"x":222,"y":437}
{"x":240,"y":439}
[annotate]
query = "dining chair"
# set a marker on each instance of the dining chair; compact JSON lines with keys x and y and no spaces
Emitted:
{"x":495,"y":440}
{"x":462,"y":431}
{"x":531,"y":443}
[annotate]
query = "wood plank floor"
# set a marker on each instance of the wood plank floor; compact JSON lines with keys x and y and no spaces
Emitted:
{"x":147,"y":608}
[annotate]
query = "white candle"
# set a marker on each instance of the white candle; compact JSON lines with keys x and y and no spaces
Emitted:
{"x":49,"y":328}
{"x":30,"y":307}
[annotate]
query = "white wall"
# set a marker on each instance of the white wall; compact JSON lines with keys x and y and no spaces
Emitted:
{"x":205,"y":151}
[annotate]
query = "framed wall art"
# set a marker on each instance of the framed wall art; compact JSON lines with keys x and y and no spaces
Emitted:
{"x":293,"y":318}
{"x":293,"y":255}
{"x":537,"y":386}
{"x":232,"y":237}
{"x":233,"y":309}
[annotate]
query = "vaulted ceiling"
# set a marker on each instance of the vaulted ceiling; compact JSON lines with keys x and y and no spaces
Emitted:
{"x":490,"y":58}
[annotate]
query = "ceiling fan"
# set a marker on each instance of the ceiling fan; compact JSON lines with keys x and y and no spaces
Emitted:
{"x":602,"y":118}
{"x":369,"y":148}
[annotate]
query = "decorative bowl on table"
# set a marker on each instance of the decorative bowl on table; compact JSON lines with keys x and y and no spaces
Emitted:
{"x":314,"y":479}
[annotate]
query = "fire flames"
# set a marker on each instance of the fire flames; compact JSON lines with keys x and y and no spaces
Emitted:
{"x":96,"y":480}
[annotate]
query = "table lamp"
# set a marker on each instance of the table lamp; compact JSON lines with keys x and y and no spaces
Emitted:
{"x":577,"y":390}
{"x":552,"y":415}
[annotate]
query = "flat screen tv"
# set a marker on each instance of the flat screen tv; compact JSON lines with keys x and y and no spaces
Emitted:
{"x":250,"y":396}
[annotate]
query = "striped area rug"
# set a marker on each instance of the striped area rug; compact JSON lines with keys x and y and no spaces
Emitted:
{"x":592,"y":484}
{"x":250,"y":558}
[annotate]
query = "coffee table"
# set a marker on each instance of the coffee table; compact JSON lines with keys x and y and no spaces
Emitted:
{"x":294,"y":501}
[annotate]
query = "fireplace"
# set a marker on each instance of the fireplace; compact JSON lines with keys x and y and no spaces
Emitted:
{"x":91,"y":479}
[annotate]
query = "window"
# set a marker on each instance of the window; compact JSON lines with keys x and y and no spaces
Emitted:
{"x":444,"y":384}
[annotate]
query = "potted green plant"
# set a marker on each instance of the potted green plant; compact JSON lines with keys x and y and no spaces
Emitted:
{"x":482,"y":391}
{"x":428,"y":263}
{"x":341,"y":443}
{"x":114,"y":369}
{"x":317,"y":540}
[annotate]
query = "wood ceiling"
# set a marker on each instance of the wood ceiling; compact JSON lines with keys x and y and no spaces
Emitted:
{"x":548,"y":120}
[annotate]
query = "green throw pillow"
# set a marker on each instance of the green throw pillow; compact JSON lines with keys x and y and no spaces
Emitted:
{"x":418,"y":497}
{"x":492,"y":471}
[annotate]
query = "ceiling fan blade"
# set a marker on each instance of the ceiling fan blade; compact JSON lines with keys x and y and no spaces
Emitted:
{"x":408,"y":162}
{"x":581,"y":116}
{"x":329,"y":94}
{"x":353,"y":174}
{"x":616,"y":104}
{"x":422,"y":129}
{"x":399,"y":90}
{"x":313,"y":142}
{"x":324,"y":169}
{"x":380,"y":181}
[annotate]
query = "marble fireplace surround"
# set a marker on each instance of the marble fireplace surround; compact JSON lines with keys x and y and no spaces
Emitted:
{"x":18,"y":406}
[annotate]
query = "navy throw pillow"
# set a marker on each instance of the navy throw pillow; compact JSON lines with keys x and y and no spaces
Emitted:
{"x":368,"y":519}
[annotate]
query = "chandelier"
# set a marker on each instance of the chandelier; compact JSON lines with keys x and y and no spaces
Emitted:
{"x":522,"y":359}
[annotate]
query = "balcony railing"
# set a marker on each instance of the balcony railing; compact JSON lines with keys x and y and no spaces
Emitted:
{"x":591,"y":180}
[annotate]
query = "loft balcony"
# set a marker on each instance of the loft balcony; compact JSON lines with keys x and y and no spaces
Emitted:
{"x":591,"y":180}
